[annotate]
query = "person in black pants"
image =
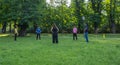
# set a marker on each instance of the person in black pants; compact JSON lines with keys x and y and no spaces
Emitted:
{"x":54,"y":31}
{"x":74,"y":33}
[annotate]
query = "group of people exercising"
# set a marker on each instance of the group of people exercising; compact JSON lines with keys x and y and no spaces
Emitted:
{"x":55,"y":30}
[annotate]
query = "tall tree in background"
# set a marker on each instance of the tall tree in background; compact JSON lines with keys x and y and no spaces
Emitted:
{"x":4,"y":5}
{"x":39,"y":16}
{"x":23,"y":13}
{"x":78,"y":12}
{"x":117,"y":16}
{"x":98,"y":13}
{"x":96,"y":6}
{"x":112,"y":16}
{"x":19,"y":11}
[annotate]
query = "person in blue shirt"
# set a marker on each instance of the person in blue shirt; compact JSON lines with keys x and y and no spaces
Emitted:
{"x":86,"y":32}
{"x":38,"y":32}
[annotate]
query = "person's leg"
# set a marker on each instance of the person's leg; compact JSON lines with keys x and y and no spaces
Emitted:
{"x":53,"y":38}
{"x":86,"y":36}
{"x":56,"y":38}
{"x":76,"y":36}
{"x":36,"y":36}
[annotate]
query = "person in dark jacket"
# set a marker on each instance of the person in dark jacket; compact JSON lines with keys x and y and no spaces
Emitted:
{"x":38,"y":32}
{"x":54,"y":30}
{"x":86,"y":32}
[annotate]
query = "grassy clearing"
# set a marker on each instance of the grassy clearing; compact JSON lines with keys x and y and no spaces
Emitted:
{"x":28,"y":51}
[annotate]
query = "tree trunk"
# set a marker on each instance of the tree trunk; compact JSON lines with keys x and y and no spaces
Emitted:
{"x":22,"y":31}
{"x":96,"y":6}
{"x":22,"y":28}
{"x":78,"y":15}
{"x":35,"y":27}
{"x":4,"y":27}
{"x":78,"y":27}
{"x":113,"y":28}
{"x":95,"y":27}
{"x":10,"y":28}
{"x":112,"y":16}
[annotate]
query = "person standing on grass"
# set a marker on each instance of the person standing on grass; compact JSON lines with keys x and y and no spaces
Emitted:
{"x":38,"y":32}
{"x":74,"y":33}
{"x":86,"y":32}
{"x":15,"y":33}
{"x":54,"y":30}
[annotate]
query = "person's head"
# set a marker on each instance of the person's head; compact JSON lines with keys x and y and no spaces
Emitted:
{"x":54,"y":25}
{"x":15,"y":25}
{"x":74,"y":26}
{"x":38,"y":27}
{"x":85,"y":24}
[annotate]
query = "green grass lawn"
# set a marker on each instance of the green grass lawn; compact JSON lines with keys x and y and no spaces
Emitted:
{"x":28,"y":51}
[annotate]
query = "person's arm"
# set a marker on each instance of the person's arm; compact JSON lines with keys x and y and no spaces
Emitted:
{"x":51,"y":29}
{"x":57,"y":29}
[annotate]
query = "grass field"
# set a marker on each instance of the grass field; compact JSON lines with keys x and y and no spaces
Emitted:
{"x":28,"y":51}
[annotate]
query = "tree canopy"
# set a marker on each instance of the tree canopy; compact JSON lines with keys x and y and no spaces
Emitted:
{"x":101,"y":15}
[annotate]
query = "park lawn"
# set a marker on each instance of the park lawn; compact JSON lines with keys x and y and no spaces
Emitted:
{"x":28,"y":51}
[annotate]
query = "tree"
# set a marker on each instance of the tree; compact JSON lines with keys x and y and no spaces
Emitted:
{"x":28,"y":14}
{"x":96,"y":6}
{"x":117,"y":15}
{"x":23,"y":13}
{"x":78,"y":12}
{"x":112,"y":16}
{"x":4,"y":5}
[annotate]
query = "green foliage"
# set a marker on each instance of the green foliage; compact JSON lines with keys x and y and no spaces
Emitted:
{"x":97,"y":14}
